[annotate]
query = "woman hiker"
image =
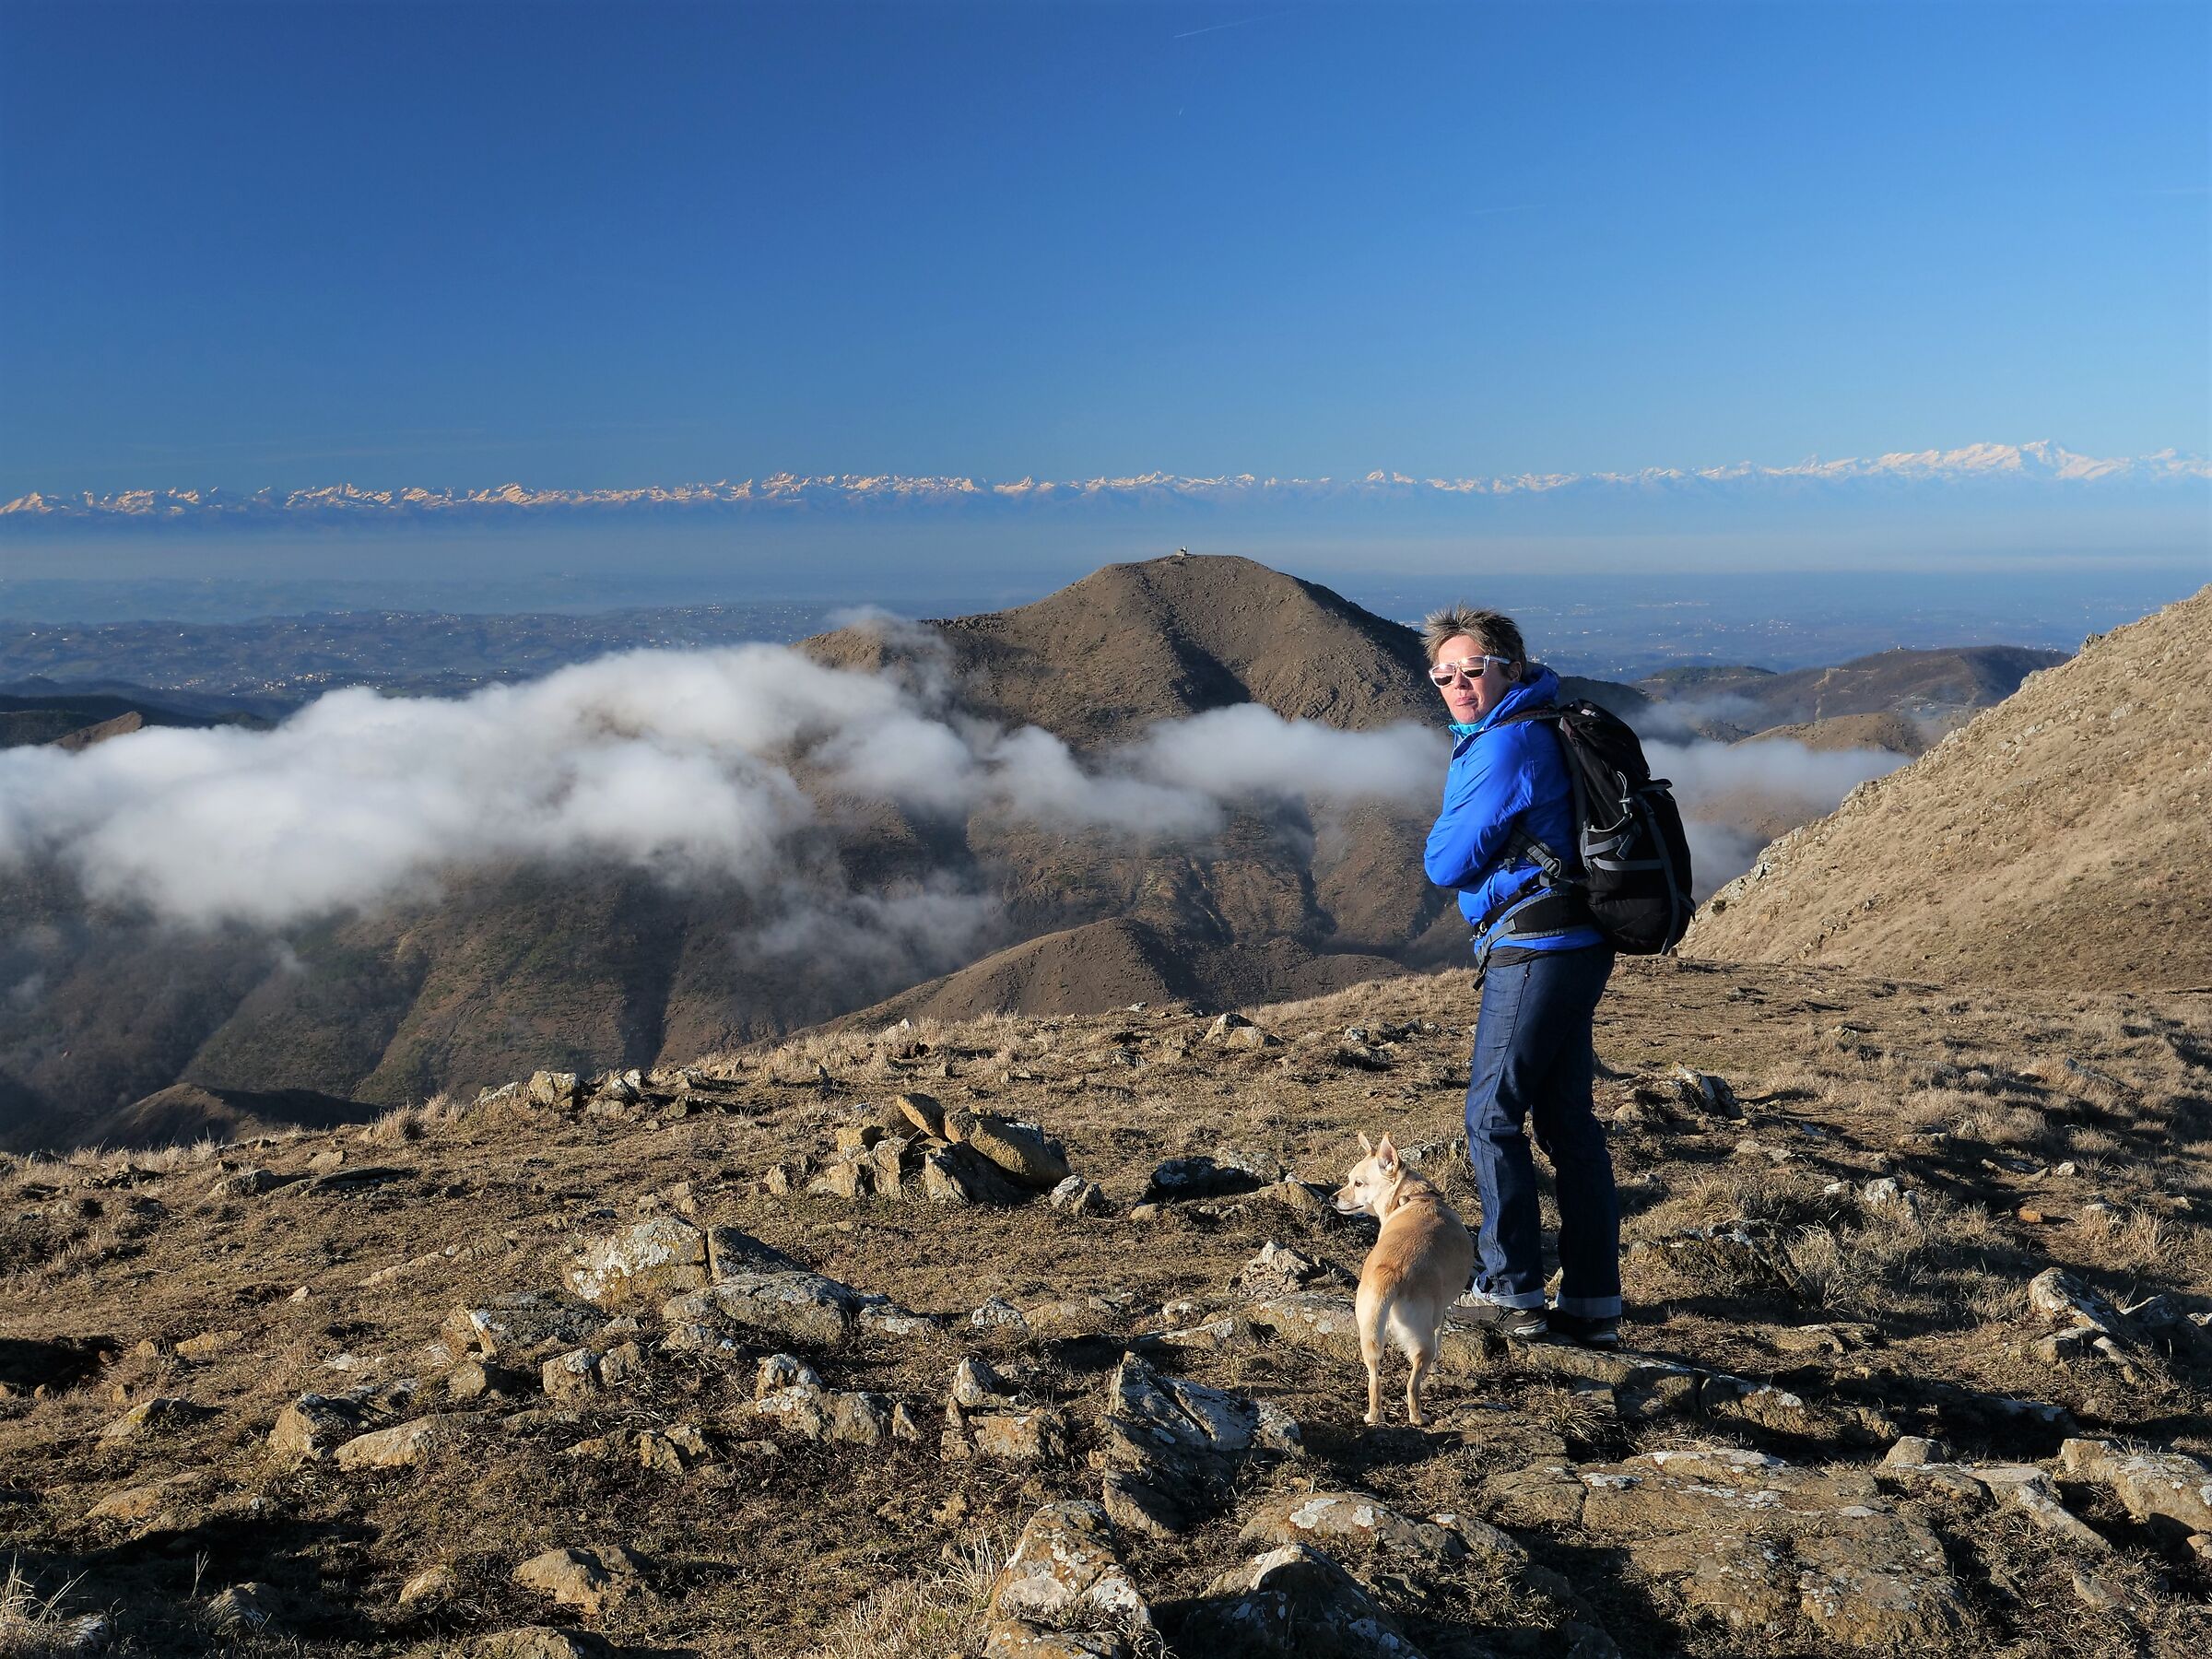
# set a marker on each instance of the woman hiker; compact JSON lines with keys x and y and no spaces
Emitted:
{"x":1544,"y":968}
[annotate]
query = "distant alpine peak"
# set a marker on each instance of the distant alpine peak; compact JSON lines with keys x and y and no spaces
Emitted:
{"x":2038,"y":461}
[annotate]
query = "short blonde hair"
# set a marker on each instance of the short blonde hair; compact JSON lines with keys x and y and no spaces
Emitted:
{"x":1493,"y":631}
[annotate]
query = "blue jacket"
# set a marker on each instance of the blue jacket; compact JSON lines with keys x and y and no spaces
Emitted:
{"x":1500,"y":778}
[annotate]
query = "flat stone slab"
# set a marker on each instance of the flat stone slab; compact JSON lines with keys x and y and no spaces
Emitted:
{"x":1774,"y":1549}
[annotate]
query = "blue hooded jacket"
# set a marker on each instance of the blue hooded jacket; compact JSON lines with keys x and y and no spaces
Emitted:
{"x":1500,"y":778}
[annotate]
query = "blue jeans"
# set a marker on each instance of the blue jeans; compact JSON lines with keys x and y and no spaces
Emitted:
{"x":1532,"y":1063}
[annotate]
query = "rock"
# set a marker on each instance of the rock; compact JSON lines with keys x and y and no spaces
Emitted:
{"x":1312,"y":1319}
{"x":924,"y":1112}
{"x":1079,"y":1197}
{"x":1212,"y":1176}
{"x":1020,"y":1150}
{"x":1349,"y":1520}
{"x":1019,"y":1639}
{"x":1837,"y":1338}
{"x":431,"y":1586}
{"x":795,"y":1303}
{"x":1136,"y":1504}
{"x":858,"y":1139}
{"x":853,"y":1178}
{"x":571,"y":1376}
{"x":345,"y":1181}
{"x":2065,"y":1301}
{"x":402,"y":1446}
{"x":1147,"y":1212}
{"x":998,"y":1315}
{"x":1278,"y":1270}
{"x":158,"y":1414}
{"x":591,"y":1579}
{"x":1296,"y":1603}
{"x":539,"y":1641}
{"x":657,"y":1257}
{"x":248,"y":1184}
{"x":976,"y":1388}
{"x":1912,"y":1451}
{"x":2171,"y":1490}
{"x":473,"y":1380}
{"x":1706,"y":1092}
{"x":143,"y":1502}
{"x":888,"y":1319}
{"x":313,"y":1427}
{"x":801,"y":1408}
{"x":886,"y":1162}
{"x":1178,"y":1441}
{"x":1154,"y":1413}
{"x":1235,"y":1031}
{"x":522,"y":1326}
{"x":1763,"y":1546}
{"x":1065,"y":1573}
{"x":551,"y":1088}
{"x":2101,"y":1596}
{"x":1300,"y":1199}
{"x":956,"y":1174}
{"x":779,"y":1371}
{"x":2038,"y":1498}
{"x":1040,"y":1435}
{"x":859,"y":1419}
{"x":625,"y":1362}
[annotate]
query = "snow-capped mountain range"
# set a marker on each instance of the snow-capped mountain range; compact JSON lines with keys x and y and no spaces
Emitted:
{"x":2038,"y":462}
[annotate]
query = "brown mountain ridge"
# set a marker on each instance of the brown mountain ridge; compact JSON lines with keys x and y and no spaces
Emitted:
{"x":2058,"y":838}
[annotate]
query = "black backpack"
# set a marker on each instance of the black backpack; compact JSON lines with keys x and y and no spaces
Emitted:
{"x":1635,"y":880}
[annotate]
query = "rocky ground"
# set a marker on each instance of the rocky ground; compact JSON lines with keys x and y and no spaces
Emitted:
{"x":1029,"y":1338}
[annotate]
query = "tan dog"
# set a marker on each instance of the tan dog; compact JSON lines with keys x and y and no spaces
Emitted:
{"x":1420,"y":1263}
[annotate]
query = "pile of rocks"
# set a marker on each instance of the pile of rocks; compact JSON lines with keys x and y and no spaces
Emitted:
{"x":787,"y":1392}
{"x":956,"y":1156}
{"x":664,"y":1095}
{"x":984,"y":1420}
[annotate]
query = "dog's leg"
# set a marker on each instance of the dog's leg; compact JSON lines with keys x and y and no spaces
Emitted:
{"x":1368,"y":1312}
{"x":1423,"y":1358}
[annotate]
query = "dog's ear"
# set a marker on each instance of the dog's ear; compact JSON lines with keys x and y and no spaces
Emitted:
{"x":1386,"y":1154}
{"x":1367,"y":1147}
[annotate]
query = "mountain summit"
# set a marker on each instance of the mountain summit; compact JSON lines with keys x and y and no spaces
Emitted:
{"x":1100,"y":661}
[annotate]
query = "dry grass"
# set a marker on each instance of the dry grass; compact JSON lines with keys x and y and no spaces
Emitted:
{"x":34,"y":1626}
{"x":919,"y":1617}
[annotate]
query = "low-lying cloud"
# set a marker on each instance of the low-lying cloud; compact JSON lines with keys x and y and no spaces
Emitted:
{"x":688,"y":764}
{"x":736,"y":765}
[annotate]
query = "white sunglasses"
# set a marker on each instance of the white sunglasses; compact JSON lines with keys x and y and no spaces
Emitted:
{"x":1473,"y":669}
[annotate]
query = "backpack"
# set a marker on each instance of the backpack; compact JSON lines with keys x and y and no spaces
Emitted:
{"x":1636,"y":877}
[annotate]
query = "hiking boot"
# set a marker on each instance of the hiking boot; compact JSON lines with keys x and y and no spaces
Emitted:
{"x":1585,"y":1331}
{"x":1527,"y":1325}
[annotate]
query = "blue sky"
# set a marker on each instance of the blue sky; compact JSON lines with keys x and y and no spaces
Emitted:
{"x":600,"y":245}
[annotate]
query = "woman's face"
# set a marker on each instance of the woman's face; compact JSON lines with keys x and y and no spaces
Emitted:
{"x":1478,"y":686}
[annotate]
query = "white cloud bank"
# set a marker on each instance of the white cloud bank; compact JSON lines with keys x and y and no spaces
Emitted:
{"x":730,"y":764}
{"x":685,"y":763}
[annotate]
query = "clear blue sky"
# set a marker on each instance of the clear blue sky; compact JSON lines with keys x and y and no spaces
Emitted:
{"x":614,"y":244}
